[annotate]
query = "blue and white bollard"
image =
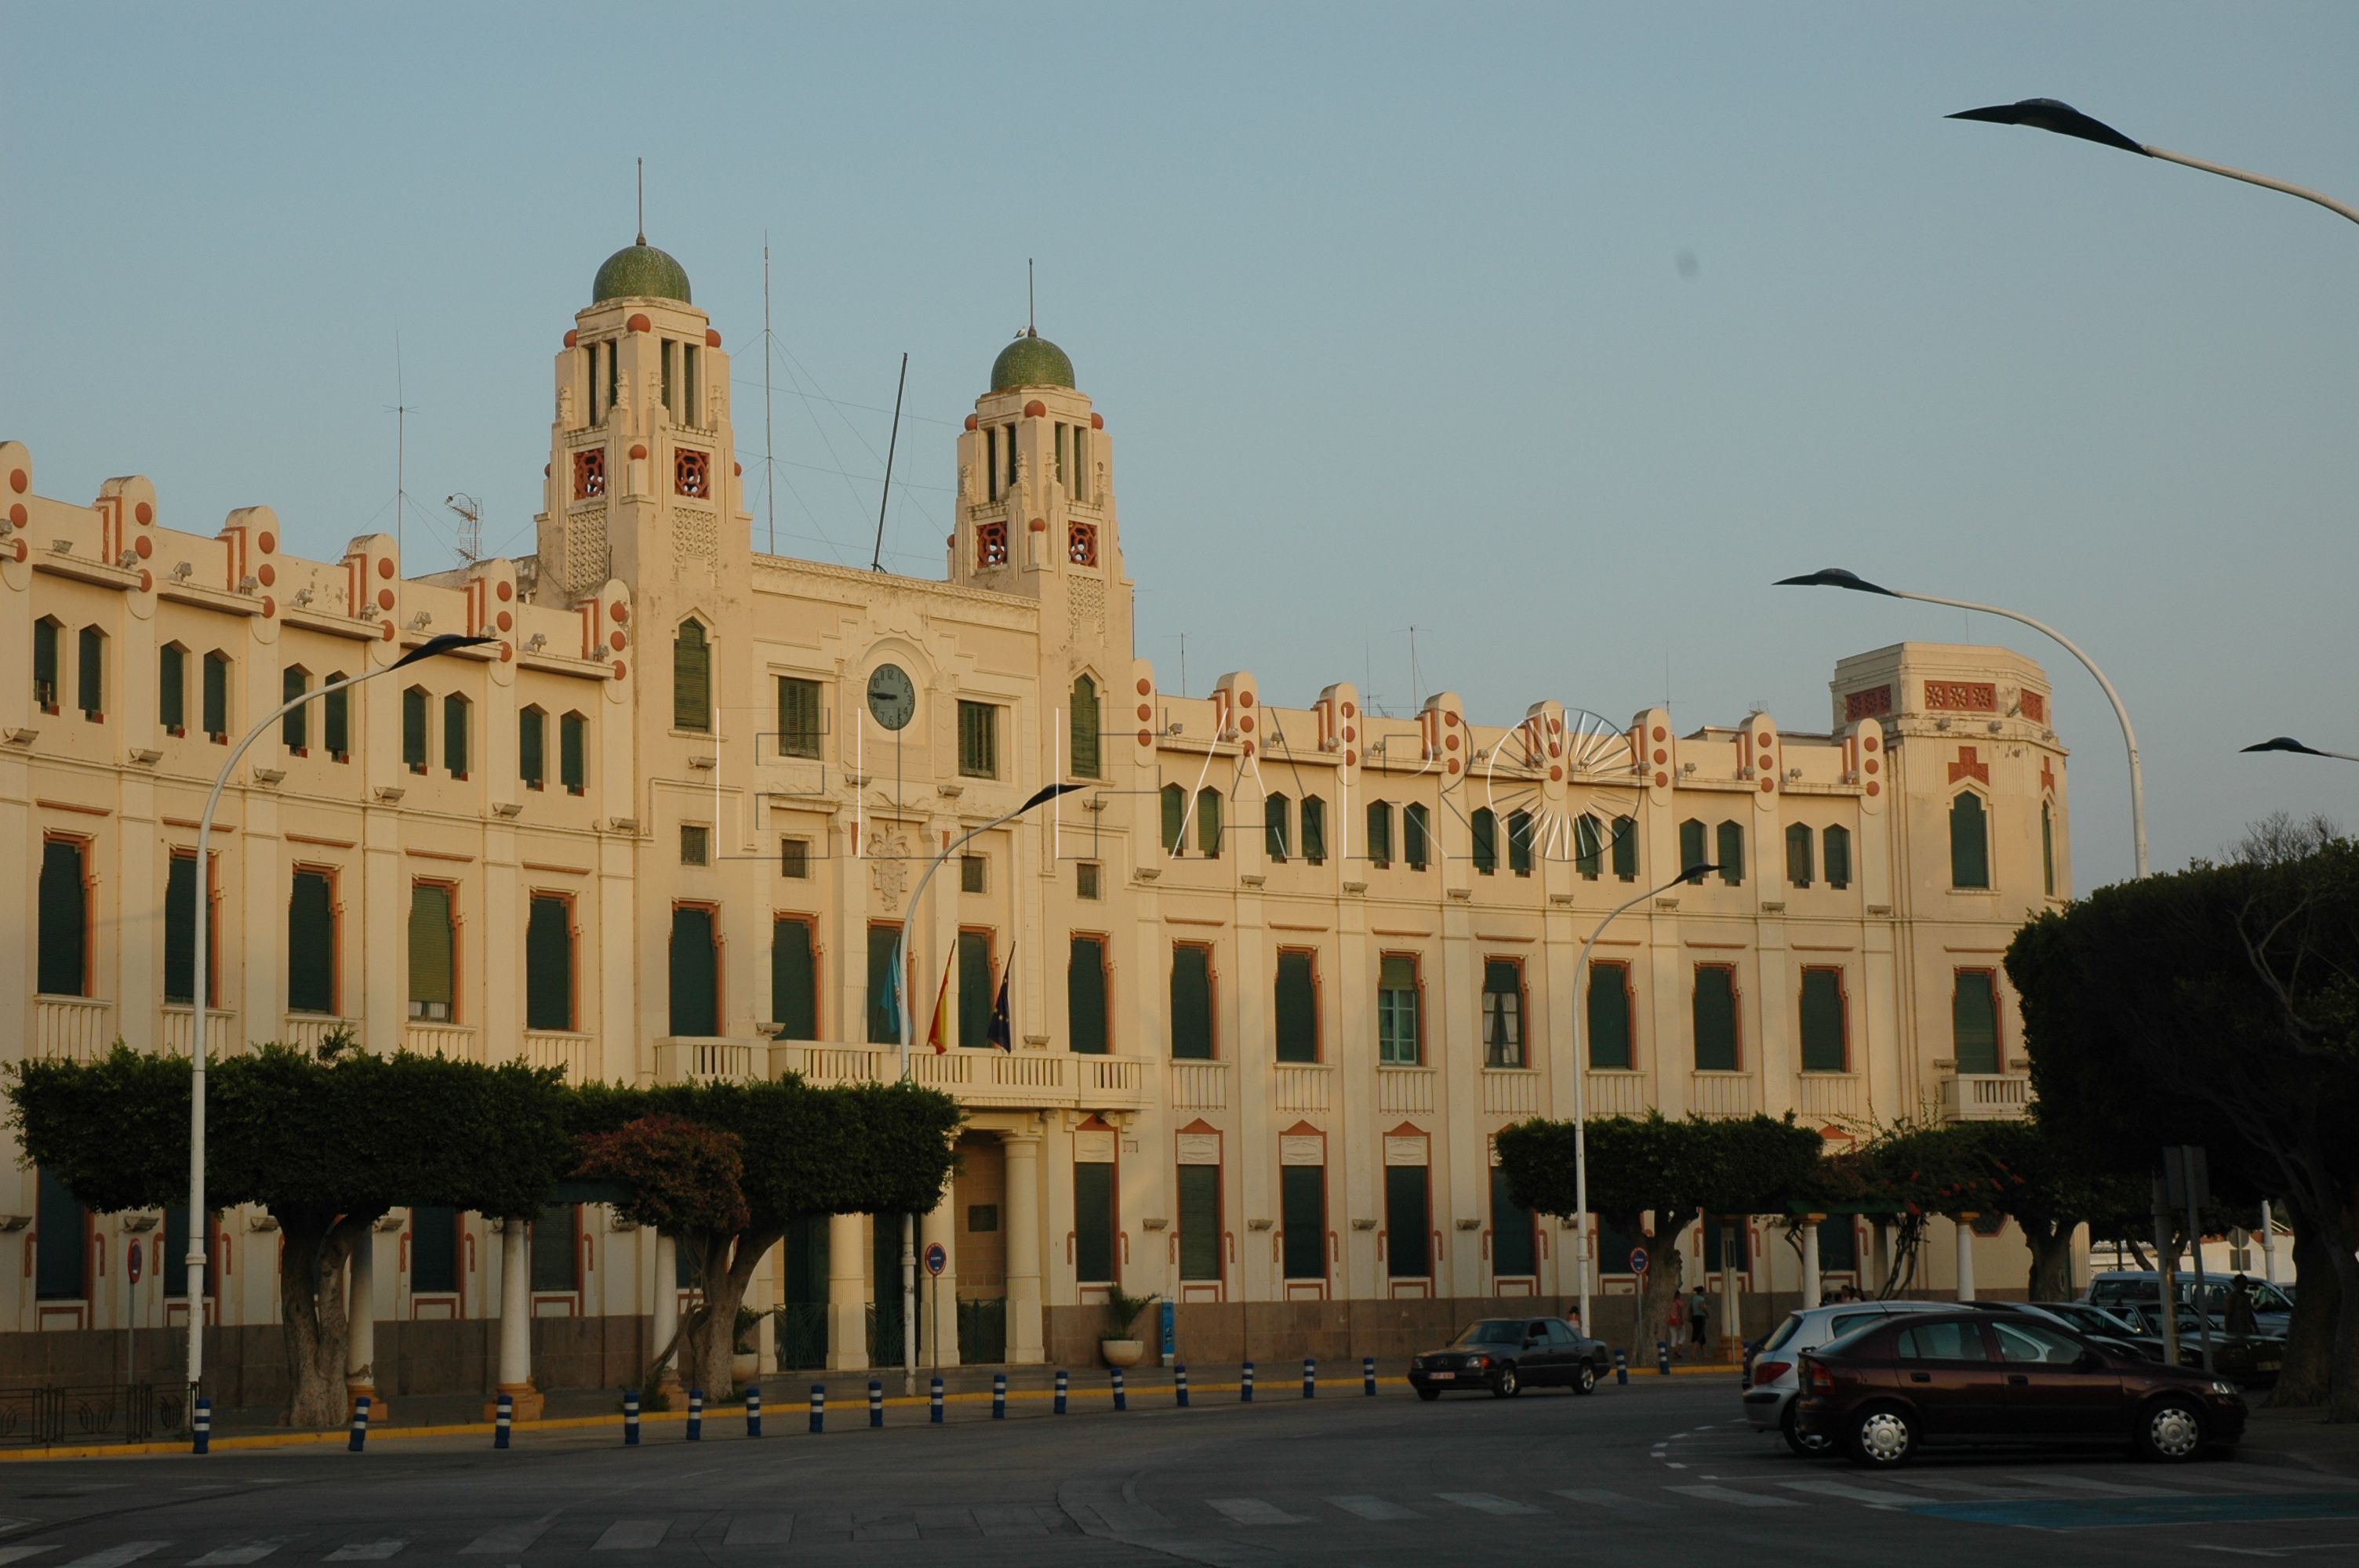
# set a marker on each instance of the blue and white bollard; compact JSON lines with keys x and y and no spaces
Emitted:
{"x":753,"y":1411}
{"x":818,"y":1408}
{"x":1368,"y":1376}
{"x":1310,"y":1377}
{"x":1121,"y":1400}
{"x":876,"y":1402}
{"x":201,"y":1427}
{"x":630,"y":1418}
{"x":500,"y":1422}
{"x":1663,"y":1356}
{"x":999,"y":1396}
{"x":1061,"y":1384}
{"x":1179,"y":1386}
{"x":360,"y":1424}
{"x":1621,"y":1366}
{"x":695,"y":1416}
{"x":934,"y":1413}
{"x":1244,"y":1386}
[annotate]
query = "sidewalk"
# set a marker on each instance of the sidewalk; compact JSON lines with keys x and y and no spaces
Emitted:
{"x":2301,"y":1438}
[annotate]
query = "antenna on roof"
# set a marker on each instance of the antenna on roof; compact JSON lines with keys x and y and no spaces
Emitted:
{"x":401,"y":412}
{"x":769,"y":461}
{"x":876,"y":561}
{"x":1031,"y":313}
{"x":642,"y":200}
{"x":471,"y":529}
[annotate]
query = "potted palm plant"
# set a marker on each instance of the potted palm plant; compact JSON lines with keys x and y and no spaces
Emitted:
{"x":1115,"y":1345}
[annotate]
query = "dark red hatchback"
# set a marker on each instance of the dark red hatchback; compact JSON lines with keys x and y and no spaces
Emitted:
{"x":1983,"y":1377}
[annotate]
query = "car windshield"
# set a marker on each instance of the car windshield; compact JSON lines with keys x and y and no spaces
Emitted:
{"x":1783,"y":1332}
{"x":1494,"y":1331}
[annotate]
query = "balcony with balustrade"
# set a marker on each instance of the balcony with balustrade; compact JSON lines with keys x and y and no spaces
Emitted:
{"x":1023,"y":1079}
{"x":1985,"y":1097}
{"x":71,"y":1029}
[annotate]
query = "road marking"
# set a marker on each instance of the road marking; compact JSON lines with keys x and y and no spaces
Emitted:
{"x":1379,"y":1508}
{"x":18,"y":1553}
{"x":2110,"y":1488}
{"x":2279,"y":1551}
{"x":1253,"y":1510}
{"x":116,"y":1556}
{"x":1967,"y":1489}
{"x":250,"y":1551}
{"x":358,"y":1552}
{"x":631,"y":1535}
{"x":759,"y":1529}
{"x":509,"y":1538}
{"x":1486,"y":1503}
{"x":1731,"y":1494}
{"x":1599,"y":1497}
{"x":1873,"y":1499}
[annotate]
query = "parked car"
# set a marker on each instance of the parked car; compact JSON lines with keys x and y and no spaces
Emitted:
{"x":1506,"y":1354}
{"x":1770,"y":1379}
{"x":2246,"y":1358}
{"x":1888,"y":1389}
{"x":2108,"y":1329}
{"x":2272,"y":1308}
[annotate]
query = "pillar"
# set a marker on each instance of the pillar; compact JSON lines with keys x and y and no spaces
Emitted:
{"x":666,"y":1326}
{"x":1732,"y":1305}
{"x":1810,"y":1259}
{"x":2269,"y":1243}
{"x":1025,"y":1344}
{"x":847,"y":1291}
{"x":938,"y":1298}
{"x":516,"y":1321}
{"x":1965,"y":1223}
{"x":360,"y":1321}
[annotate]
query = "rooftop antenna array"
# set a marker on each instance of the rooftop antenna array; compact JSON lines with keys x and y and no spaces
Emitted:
{"x":470,"y":526}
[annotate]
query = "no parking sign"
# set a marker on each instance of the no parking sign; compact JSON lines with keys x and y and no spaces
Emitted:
{"x":1637,"y":1259}
{"x":937,"y":1258}
{"x":131,"y":1264}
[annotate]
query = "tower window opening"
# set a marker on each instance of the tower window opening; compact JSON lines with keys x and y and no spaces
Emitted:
{"x":991,"y":463}
{"x":1080,"y":488}
{"x":990,"y":544}
{"x":1008,"y":443}
{"x":670,"y":356}
{"x":691,"y":472}
{"x":1064,"y":452}
{"x":589,"y":474}
{"x":688,"y":400}
{"x":1081,"y":543}
{"x":614,"y":378}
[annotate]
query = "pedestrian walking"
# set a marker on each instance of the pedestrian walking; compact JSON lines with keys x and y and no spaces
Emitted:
{"x":2240,"y":1320}
{"x":1700,"y":1317}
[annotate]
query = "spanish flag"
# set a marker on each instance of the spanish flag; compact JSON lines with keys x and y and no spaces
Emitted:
{"x":939,"y":1036}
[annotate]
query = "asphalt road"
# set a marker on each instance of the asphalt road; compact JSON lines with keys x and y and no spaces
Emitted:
{"x":1643,"y":1475}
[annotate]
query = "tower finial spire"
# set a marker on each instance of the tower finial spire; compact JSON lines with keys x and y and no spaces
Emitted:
{"x":1031,"y":312}
{"x":642,"y":200}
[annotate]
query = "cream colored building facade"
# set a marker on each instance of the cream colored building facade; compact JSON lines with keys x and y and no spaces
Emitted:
{"x":1307,"y":937}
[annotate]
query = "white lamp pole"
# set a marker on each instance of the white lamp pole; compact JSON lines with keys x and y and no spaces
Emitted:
{"x":196,"y":1259}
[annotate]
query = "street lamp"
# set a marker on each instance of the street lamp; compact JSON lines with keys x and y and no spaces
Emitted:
{"x":900,"y":951}
{"x":450,"y":642}
{"x":1580,"y":1076}
{"x":2288,"y":743}
{"x":1835,"y":576}
{"x":2048,"y":115}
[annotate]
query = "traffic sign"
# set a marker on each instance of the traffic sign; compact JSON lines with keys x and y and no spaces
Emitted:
{"x":937,"y":1258}
{"x":131,"y":1264}
{"x":1637,"y":1259}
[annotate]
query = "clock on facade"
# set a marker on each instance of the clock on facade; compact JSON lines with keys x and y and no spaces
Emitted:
{"x":892,"y":698}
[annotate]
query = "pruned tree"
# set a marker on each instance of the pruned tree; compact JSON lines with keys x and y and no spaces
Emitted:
{"x":686,"y":1180}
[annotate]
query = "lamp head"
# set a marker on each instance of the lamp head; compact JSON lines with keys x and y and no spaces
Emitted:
{"x":448,"y":642}
{"x":1694,"y":875}
{"x":2285,"y":743}
{"x":1834,"y":576}
{"x":2050,"y":114}
{"x":1047,"y":792}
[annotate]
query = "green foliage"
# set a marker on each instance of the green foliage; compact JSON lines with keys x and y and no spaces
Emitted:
{"x":1677,"y":1169}
{"x":1122,"y":1311}
{"x":114,"y":1130}
{"x":684,"y":1177}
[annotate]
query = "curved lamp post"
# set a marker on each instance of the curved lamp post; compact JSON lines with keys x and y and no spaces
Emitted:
{"x":196,"y":1259}
{"x":2288,"y":743}
{"x":1835,"y":576}
{"x":1581,"y":1074}
{"x":900,"y":952}
{"x":2048,"y":115}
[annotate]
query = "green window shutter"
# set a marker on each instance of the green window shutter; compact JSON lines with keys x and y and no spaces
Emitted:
{"x":794,"y":980}
{"x":336,"y":722}
{"x":1302,"y":1210}
{"x":1969,"y":842}
{"x":45,"y":662}
{"x":1519,"y":842}
{"x":1174,"y":819}
{"x":1625,"y":849}
{"x":1380,"y":833}
{"x":884,"y":1009}
{"x":181,"y":929}
{"x":1824,"y":1049}
{"x":2047,"y":849}
{"x":431,"y":971}
{"x":295,"y":728}
{"x":1199,"y":1222}
{"x":1275,"y":835}
{"x":454,"y":736}
{"x":1208,"y":823}
{"x":1297,"y":1007}
{"x":1588,"y":848}
{"x":691,"y":678}
{"x":65,"y":929}
{"x":1085,"y":728}
{"x":1092,"y":1222}
{"x":89,"y":672}
{"x":695,"y":973}
{"x":1192,"y":1002}
{"x":1797,"y":855}
{"x":1836,"y":859}
{"x":1085,"y":996}
{"x":1974,"y":1021}
{"x":1512,"y":1243}
{"x":434,"y":1249}
{"x":61,"y":1244}
{"x":1715,"y":1018}
{"x":413,"y":728}
{"x":1502,"y":1015}
{"x":1417,"y":835}
{"x":572,"y":749}
{"x":798,"y":722}
{"x":1732,"y":853}
{"x":1692,"y":851}
{"x":1609,"y":1016}
{"x":978,"y":740}
{"x":557,"y":1247}
{"x":532,"y":746}
{"x":216,"y":694}
{"x":310,"y":944}
{"x":548,"y":965}
{"x":1314,"y":830}
{"x":974,"y":989}
{"x":1485,"y":837}
{"x":172,"y":687}
{"x":1408,"y":1240}
{"x":1713,"y":1228}
{"x":1397,"y":1042}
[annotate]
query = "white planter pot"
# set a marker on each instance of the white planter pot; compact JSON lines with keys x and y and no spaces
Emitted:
{"x":1123,"y":1352}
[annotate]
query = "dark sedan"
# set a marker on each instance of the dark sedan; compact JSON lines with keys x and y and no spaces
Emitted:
{"x":1504,"y":1354}
{"x":1969,"y":1377}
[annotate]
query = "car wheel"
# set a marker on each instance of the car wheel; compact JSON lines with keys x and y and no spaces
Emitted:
{"x":1584,"y":1378}
{"x":1884,"y":1438}
{"x":1503,"y":1385}
{"x":2170,"y":1431}
{"x":1428,"y":1393}
{"x":1809,"y":1444}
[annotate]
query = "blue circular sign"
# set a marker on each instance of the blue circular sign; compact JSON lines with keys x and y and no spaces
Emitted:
{"x":1637,"y":1259}
{"x":938,"y":1258}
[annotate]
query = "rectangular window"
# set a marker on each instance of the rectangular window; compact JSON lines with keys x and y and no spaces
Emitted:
{"x":798,"y":722}
{"x":695,"y":971}
{"x":336,"y":720}
{"x":794,"y":858}
{"x":1717,"y":1230}
{"x":1838,"y":1244}
{"x":1732,"y":853}
{"x":1093,"y":1222}
{"x":1797,"y":855}
{"x":1297,"y":1005}
{"x":974,"y":874}
{"x":532,"y":746}
{"x":1825,"y":1043}
{"x":1192,"y":1002}
{"x":1503,"y":1013}
{"x":295,"y":728}
{"x":413,"y":728}
{"x":691,"y":678}
{"x":311,"y":943}
{"x":1610,"y":1044}
{"x":2047,"y":849}
{"x":1085,"y":996}
{"x":573,"y":753}
{"x":695,"y":845}
{"x":45,"y":664}
{"x":180,"y":934}
{"x":171,"y":687}
{"x":1519,"y":842}
{"x":1199,"y":1222}
{"x":1715,"y":1019}
{"x":794,"y":978}
{"x":548,"y":963}
{"x":978,"y":740}
{"x":1085,"y":880}
{"x":216,"y":681}
{"x":63,"y":958}
{"x":1314,"y":830}
{"x":557,"y":1248}
{"x":1380,"y":833}
{"x":1514,"y":1244}
{"x":62,"y":1245}
{"x":1399,"y":1039}
{"x":433,"y":1250}
{"x":454,"y":736}
{"x":1302,"y":1208}
{"x":89,"y":672}
{"x":433,"y":966}
{"x":1836,"y":857}
{"x":1408,"y":1240}
{"x":975,"y":978}
{"x":1625,"y":849}
{"x":884,"y":1005}
{"x":1974,"y":1021}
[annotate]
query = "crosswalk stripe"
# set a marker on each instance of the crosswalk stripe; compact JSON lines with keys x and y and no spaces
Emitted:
{"x":509,"y":1539}
{"x":1377,"y":1508}
{"x":116,"y":1556}
{"x":18,"y":1553}
{"x":2083,"y":1484}
{"x":1486,"y":1503}
{"x":1872,"y":1499}
{"x":631,"y":1535}
{"x":1253,"y":1510}
{"x":1598,"y":1496}
{"x":759,"y":1529}
{"x":1731,"y":1494}
{"x":246,"y":1551}
{"x":1963,"y":1488}
{"x":358,"y":1552}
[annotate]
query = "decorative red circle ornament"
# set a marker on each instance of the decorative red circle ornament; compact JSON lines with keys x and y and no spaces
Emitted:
{"x":1768,"y":785}
{"x":1033,"y":409}
{"x":1350,"y":733}
{"x":146,"y":581}
{"x":388,"y":631}
{"x":1873,"y":787}
{"x":385,"y":602}
{"x":1351,"y":759}
{"x":1246,"y":724}
{"x":506,"y":590}
{"x":573,"y":338}
{"x":1144,"y":688}
{"x":638,"y":450}
{"x":1244,"y":699}
{"x":144,"y":513}
{"x":712,"y":337}
{"x":19,"y":481}
{"x":269,"y":541}
{"x":1661,"y":756}
{"x":621,"y":669}
{"x":639,"y":323}
{"x":1039,"y":526}
{"x":505,"y":620}
{"x":1662,"y":780}
{"x":385,"y":566}
{"x":1869,"y":743}
{"x":1144,"y":738}
{"x":619,"y":611}
{"x":1871,"y":764}
{"x":269,"y":608}
{"x":1556,"y":775}
{"x":1661,"y":734}
{"x":266,"y":574}
{"x":972,"y":421}
{"x":1097,"y":421}
{"x":617,"y":642}
{"x":507,"y":652}
{"x":142,"y":546}
{"x":1453,"y":764}
{"x":1349,"y":710}
{"x":16,"y":515}
{"x":1451,"y":741}
{"x":1145,"y":713}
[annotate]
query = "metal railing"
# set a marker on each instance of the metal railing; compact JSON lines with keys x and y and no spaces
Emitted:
{"x":48,"y":1416}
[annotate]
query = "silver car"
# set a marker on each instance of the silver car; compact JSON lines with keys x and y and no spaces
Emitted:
{"x":1772,"y":1377}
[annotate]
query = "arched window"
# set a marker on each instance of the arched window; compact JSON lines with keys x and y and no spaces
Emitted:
{"x":1417,"y":835}
{"x":216,"y":698}
{"x":1969,"y":842}
{"x":532,"y":746}
{"x":89,"y":672}
{"x":454,"y":735}
{"x":1485,"y":826}
{"x":46,"y":634}
{"x":1208,"y":823}
{"x":171,"y":687}
{"x":336,"y":718}
{"x":1836,"y":860}
{"x":1694,"y":849}
{"x":1732,"y":853}
{"x":1797,"y":855}
{"x":691,"y":677}
{"x":1085,"y":728}
{"x":1175,"y":820}
{"x":573,"y":753}
{"x":1276,"y":827}
{"x":1314,"y":830}
{"x":415,"y":708}
{"x":1519,"y":842}
{"x":2047,"y":848}
{"x":1625,"y":849}
{"x":1380,"y":833}
{"x":295,"y":728}
{"x":1588,"y":847}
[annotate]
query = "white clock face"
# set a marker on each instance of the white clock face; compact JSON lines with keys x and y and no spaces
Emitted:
{"x":892,"y":698}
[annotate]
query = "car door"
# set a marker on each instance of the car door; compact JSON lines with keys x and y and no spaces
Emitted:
{"x":2052,"y":1385}
{"x":1542,"y":1357}
{"x":1945,"y":1369}
{"x":1568,"y":1348}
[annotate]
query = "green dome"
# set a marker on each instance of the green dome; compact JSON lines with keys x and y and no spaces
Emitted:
{"x":643,"y":271}
{"x":1030,"y":360}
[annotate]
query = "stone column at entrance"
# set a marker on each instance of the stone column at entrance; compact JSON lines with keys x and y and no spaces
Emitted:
{"x":1965,"y":1223}
{"x":516,"y":1322}
{"x":1025,"y":1344}
{"x":847,"y":1291}
{"x":938,"y":1334}
{"x":360,"y":1319}
{"x":666,"y":1328}
{"x":1810,"y":1259}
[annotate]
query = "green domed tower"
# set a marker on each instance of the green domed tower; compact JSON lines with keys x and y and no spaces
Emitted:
{"x":640,"y":272}
{"x":1030,"y":360}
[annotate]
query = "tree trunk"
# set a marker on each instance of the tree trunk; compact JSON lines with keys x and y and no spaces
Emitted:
{"x":2309,"y":1338}
{"x":2051,"y":1260}
{"x":707,"y":1331}
{"x":314,"y":1250}
{"x":1662,"y":1283}
{"x":2343,"y":1394}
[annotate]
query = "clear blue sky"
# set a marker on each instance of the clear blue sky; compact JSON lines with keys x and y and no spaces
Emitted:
{"x":1556,"y":332}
